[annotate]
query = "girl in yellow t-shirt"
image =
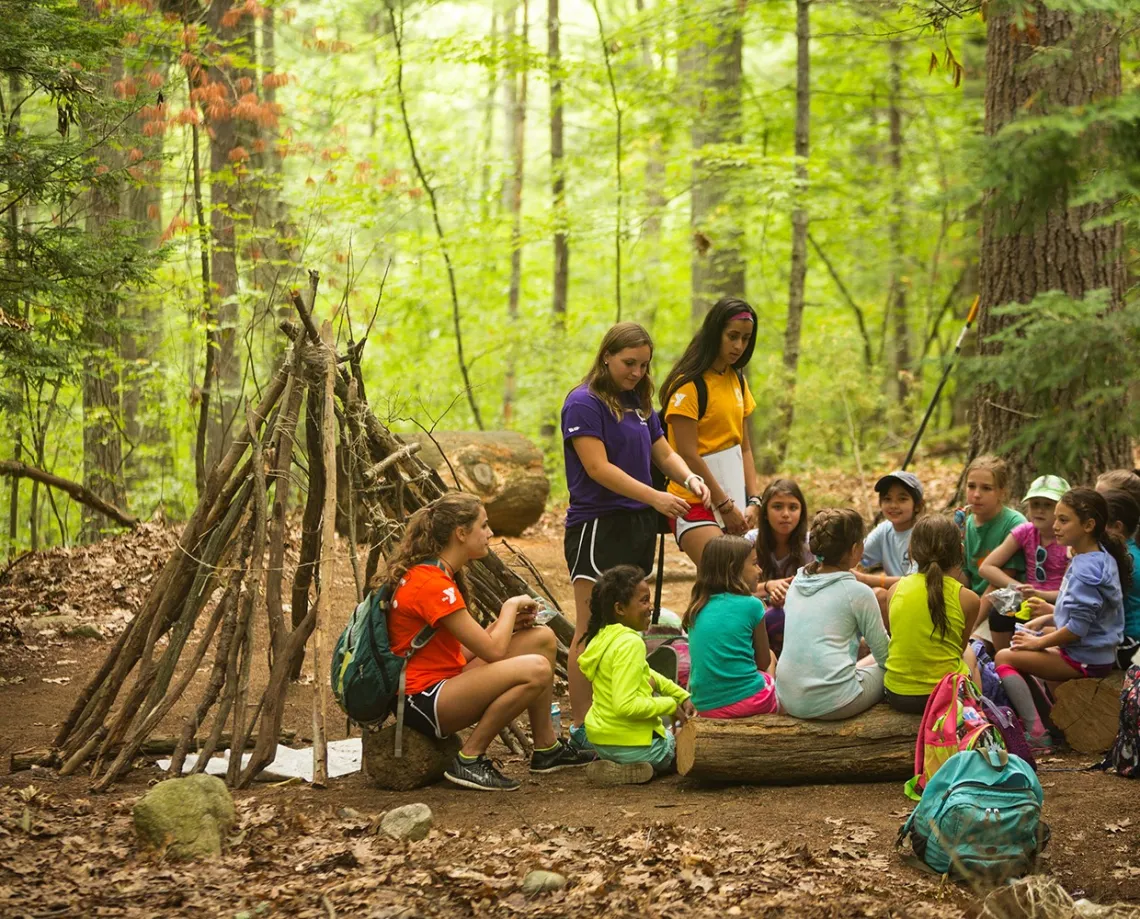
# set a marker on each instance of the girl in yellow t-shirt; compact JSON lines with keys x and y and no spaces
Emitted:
{"x":931,"y":616}
{"x":704,"y":401}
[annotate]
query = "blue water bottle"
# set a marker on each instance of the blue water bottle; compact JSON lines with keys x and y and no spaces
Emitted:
{"x":556,"y":718}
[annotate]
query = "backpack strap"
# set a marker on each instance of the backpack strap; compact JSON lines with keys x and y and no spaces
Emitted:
{"x":423,"y":636}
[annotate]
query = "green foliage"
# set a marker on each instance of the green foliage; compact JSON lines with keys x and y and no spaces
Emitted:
{"x":1069,"y":365}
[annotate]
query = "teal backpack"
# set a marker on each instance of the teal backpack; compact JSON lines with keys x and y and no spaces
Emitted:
{"x":367,"y":676}
{"x":979,"y":817}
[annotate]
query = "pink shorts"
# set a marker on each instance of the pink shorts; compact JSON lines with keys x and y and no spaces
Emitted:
{"x":1095,"y":671}
{"x":763,"y":703}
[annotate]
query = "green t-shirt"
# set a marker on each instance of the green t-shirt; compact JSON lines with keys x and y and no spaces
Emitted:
{"x":982,"y":540}
{"x":721,"y":654}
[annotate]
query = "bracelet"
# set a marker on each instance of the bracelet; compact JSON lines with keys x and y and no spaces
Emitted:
{"x":754,"y":501}
{"x":727,"y":500}
{"x":692,"y":475}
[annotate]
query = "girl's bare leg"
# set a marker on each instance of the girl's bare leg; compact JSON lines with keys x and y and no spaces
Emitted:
{"x":693,"y":541}
{"x":1046,"y":664}
{"x":537,"y":640}
{"x":581,"y":692}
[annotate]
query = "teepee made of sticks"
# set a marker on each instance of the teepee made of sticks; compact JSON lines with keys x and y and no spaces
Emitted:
{"x":235,"y":541}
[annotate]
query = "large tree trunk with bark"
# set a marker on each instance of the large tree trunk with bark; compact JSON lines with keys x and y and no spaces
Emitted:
{"x":1019,"y":259}
{"x":711,"y":63}
{"x":877,"y":746}
{"x":797,"y":277}
{"x":897,"y":289}
{"x":561,"y":268}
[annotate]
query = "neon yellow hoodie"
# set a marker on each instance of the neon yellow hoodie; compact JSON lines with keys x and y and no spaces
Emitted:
{"x":625,"y":712}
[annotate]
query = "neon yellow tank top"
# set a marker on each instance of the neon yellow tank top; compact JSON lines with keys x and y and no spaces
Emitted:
{"x":918,"y":658}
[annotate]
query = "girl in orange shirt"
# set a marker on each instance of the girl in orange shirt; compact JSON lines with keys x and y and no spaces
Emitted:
{"x":467,"y":674}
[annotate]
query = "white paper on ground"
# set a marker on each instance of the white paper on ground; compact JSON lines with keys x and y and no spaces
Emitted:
{"x":344,"y":758}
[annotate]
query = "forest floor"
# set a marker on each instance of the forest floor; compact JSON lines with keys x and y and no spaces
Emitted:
{"x":673,"y":846}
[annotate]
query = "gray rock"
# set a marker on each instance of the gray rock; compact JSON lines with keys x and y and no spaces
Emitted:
{"x":188,"y":818}
{"x":537,"y":882}
{"x":85,"y":630}
{"x":411,"y":822}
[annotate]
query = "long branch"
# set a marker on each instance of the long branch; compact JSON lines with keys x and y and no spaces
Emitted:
{"x":398,"y":39}
{"x":212,"y":344}
{"x":868,"y":360}
{"x":78,"y":492}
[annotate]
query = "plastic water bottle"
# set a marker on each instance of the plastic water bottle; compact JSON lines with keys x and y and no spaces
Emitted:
{"x":556,"y":718}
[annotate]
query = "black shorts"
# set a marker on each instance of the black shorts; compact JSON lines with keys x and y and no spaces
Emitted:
{"x":624,"y":538}
{"x":999,"y":622}
{"x":420,"y":713}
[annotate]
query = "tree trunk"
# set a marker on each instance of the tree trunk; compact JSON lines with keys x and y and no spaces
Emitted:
{"x":561,"y":271}
{"x":488,"y":140}
{"x":230,"y":143}
{"x":655,"y":200}
{"x":794,"y":327}
{"x":1088,"y":712}
{"x":102,"y":440}
{"x":1059,"y":251}
{"x":12,"y":306}
{"x":517,"y":81}
{"x":898,"y":285}
{"x":712,"y":64}
{"x":877,"y":746}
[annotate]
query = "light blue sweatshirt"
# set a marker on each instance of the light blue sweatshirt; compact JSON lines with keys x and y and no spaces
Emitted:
{"x":826,"y":615}
{"x":1091,"y":605}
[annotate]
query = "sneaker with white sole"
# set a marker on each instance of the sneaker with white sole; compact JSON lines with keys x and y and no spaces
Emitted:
{"x":607,"y":772}
{"x":562,"y":756}
{"x":480,"y":774}
{"x":578,"y":738}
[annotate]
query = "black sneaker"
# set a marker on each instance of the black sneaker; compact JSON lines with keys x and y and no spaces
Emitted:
{"x":564,"y":756}
{"x":479,"y":774}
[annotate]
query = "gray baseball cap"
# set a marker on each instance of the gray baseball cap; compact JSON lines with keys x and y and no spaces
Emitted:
{"x":907,"y":480}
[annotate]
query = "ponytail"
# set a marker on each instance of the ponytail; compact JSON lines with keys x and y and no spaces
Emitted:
{"x":1115,"y":547}
{"x":1089,"y":504}
{"x":428,"y":532}
{"x":616,"y":587}
{"x":936,"y":598}
{"x":936,"y":547}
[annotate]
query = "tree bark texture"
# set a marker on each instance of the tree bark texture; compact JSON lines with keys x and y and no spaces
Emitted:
{"x":1088,"y":712}
{"x":897,"y":307}
{"x":517,"y":95}
{"x":711,"y":62}
{"x":877,"y":746}
{"x":797,"y":277}
{"x":1020,"y":260}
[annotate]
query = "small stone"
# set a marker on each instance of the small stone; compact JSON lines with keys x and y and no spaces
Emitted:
{"x":85,"y":631}
{"x":187,"y":818}
{"x":537,"y":882}
{"x":411,"y":822}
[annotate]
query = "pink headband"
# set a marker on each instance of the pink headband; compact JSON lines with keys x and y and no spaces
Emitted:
{"x":742,"y":315}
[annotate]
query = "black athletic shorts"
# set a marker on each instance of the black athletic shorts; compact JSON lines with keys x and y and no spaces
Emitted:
{"x":999,"y":622}
{"x":624,"y":538}
{"x":420,"y":713}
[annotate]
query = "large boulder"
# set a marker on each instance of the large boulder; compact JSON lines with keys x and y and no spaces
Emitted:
{"x":187,"y":818}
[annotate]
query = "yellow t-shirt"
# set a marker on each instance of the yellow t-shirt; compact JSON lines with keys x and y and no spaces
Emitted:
{"x":722,"y":425}
{"x":919,"y":659}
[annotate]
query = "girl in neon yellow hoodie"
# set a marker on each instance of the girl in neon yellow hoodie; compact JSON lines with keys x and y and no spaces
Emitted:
{"x":630,"y":699}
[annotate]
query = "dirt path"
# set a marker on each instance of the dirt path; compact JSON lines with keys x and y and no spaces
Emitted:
{"x":844,"y":834}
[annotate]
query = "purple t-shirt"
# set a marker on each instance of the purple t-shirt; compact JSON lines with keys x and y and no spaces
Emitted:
{"x":1056,"y":557}
{"x":628,"y":444}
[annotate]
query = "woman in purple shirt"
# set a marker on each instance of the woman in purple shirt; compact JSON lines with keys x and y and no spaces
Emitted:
{"x":610,"y":436}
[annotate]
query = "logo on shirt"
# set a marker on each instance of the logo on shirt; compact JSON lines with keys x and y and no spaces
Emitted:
{"x":449,"y":595}
{"x":572,"y":430}
{"x":678,"y":398}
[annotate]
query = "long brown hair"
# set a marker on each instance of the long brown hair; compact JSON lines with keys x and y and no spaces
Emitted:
{"x":834,"y":530}
{"x":936,"y":548}
{"x":718,"y":573}
{"x":1089,"y":504}
{"x":429,"y":531}
{"x":766,"y":537}
{"x":1123,"y":479}
{"x":704,"y":349}
{"x":601,"y":384}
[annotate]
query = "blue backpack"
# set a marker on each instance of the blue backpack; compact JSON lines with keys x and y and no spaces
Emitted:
{"x":367,"y":675}
{"x":979,"y":817}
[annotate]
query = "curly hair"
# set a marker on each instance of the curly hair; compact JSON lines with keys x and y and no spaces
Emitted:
{"x":616,"y":587}
{"x":833,"y":531}
{"x":429,"y":531}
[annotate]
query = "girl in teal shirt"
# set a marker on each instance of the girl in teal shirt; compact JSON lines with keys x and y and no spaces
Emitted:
{"x":732,"y":666}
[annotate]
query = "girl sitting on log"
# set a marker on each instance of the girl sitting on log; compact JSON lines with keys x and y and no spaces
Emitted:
{"x":467,"y":674}
{"x":829,"y":611}
{"x":705,"y":401}
{"x":781,"y":550}
{"x":611,"y":436}
{"x":733,"y":670}
{"x":1076,"y":638}
{"x":887,"y":547}
{"x":624,"y":722}
{"x":931,"y":616}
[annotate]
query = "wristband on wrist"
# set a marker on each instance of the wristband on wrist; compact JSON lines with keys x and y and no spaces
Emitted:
{"x":691,"y":476}
{"x":723,"y":503}
{"x":754,"y":501}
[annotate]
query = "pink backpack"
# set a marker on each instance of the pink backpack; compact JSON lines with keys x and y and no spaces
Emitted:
{"x":954,"y":721}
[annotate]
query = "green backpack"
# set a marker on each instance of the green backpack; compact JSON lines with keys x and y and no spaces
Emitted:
{"x":367,"y":676}
{"x":979,"y":818}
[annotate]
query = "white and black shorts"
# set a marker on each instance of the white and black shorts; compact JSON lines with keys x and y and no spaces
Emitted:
{"x":420,"y":711}
{"x":624,"y":538}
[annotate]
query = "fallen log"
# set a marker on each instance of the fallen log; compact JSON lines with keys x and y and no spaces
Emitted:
{"x":502,"y":467}
{"x":1088,"y":712}
{"x":876,"y":746}
{"x":17,"y":469}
